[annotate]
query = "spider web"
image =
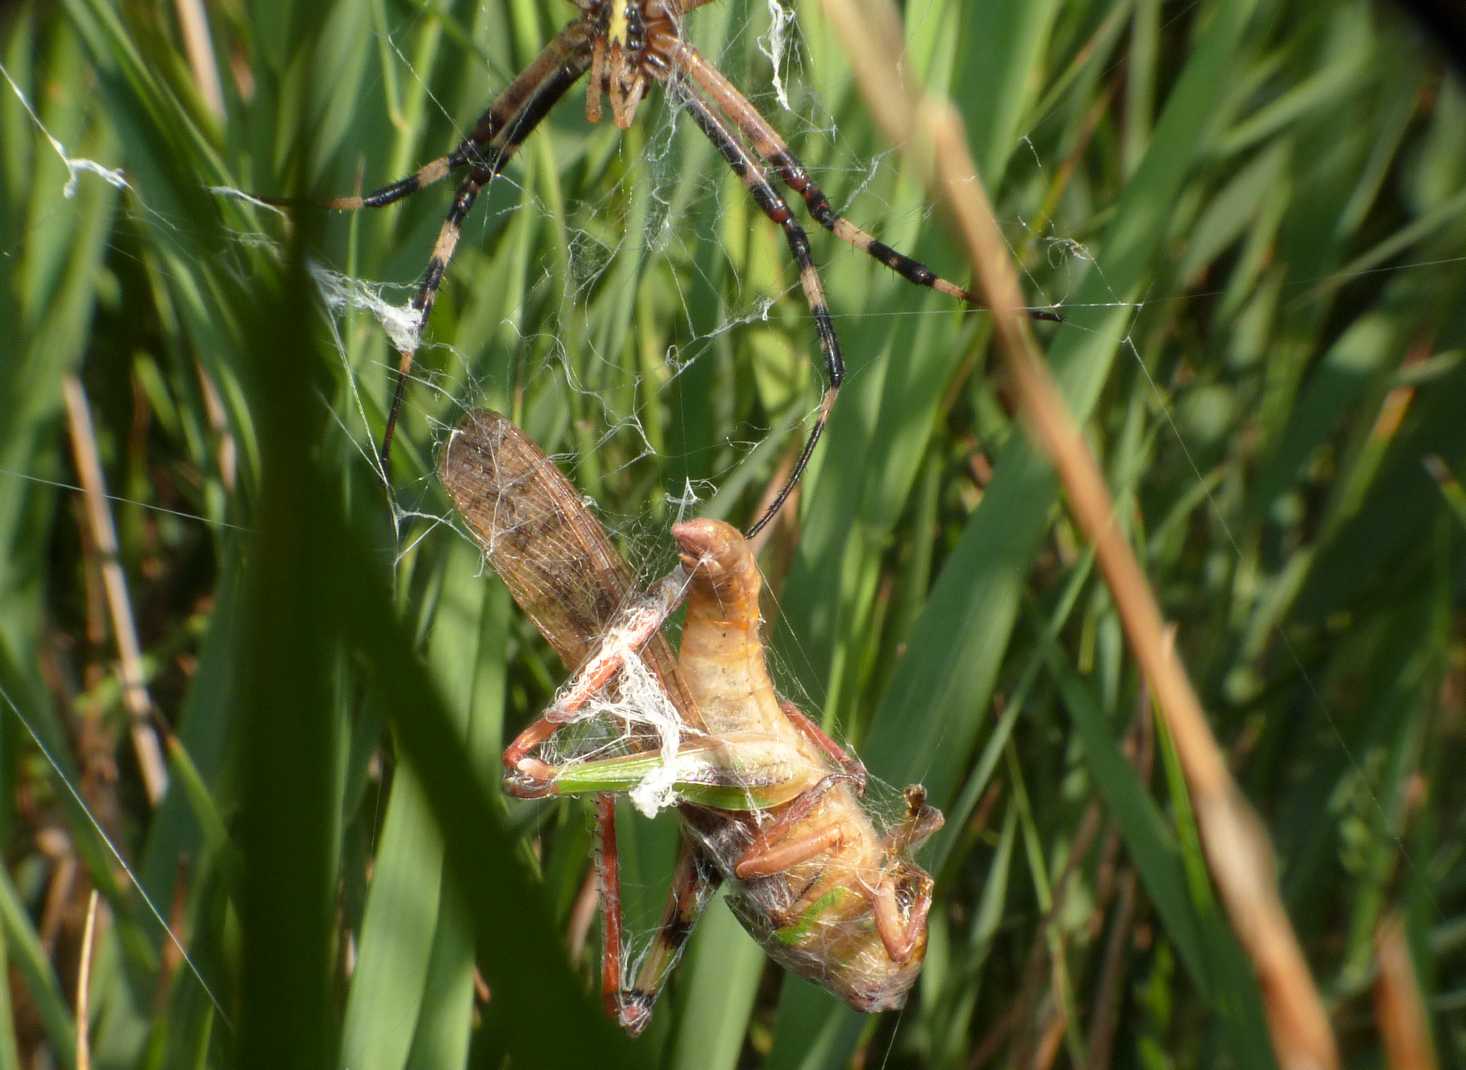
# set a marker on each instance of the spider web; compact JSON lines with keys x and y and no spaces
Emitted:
{"x":661,"y":282}
{"x":655,"y":226}
{"x":639,"y":225}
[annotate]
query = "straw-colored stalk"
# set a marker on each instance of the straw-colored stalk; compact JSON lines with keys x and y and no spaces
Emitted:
{"x":1236,"y":843}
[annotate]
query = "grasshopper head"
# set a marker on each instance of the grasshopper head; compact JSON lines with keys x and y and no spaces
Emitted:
{"x":718,"y":556}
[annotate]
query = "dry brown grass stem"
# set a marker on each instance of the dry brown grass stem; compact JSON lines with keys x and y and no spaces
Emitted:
{"x":219,"y":425}
{"x":135,"y":694}
{"x":84,"y":986}
{"x":193,"y":23}
{"x":1236,"y":843}
{"x":1399,"y":1008}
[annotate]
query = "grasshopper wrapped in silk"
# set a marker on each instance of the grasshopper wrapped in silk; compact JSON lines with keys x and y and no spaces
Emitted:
{"x":769,"y":803}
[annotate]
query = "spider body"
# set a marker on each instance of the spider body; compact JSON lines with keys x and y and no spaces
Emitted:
{"x":626,"y":46}
{"x":629,"y":47}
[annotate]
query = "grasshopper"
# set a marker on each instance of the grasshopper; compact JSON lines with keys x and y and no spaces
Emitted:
{"x":769,"y":803}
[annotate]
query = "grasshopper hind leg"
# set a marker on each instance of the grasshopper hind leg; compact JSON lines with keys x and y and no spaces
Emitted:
{"x":693,"y":883}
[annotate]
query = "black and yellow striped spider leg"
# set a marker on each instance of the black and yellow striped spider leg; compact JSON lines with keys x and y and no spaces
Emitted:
{"x":627,"y":45}
{"x":494,"y":140}
{"x":700,"y":76}
{"x":774,"y":206}
{"x":775,"y":152}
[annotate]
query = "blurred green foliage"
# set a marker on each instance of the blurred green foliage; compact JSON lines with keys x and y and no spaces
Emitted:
{"x":1252,"y":215}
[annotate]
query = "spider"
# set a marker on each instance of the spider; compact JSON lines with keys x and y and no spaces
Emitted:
{"x":626,"y":45}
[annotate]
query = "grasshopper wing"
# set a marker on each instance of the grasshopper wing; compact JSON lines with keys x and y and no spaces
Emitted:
{"x":555,"y":557}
